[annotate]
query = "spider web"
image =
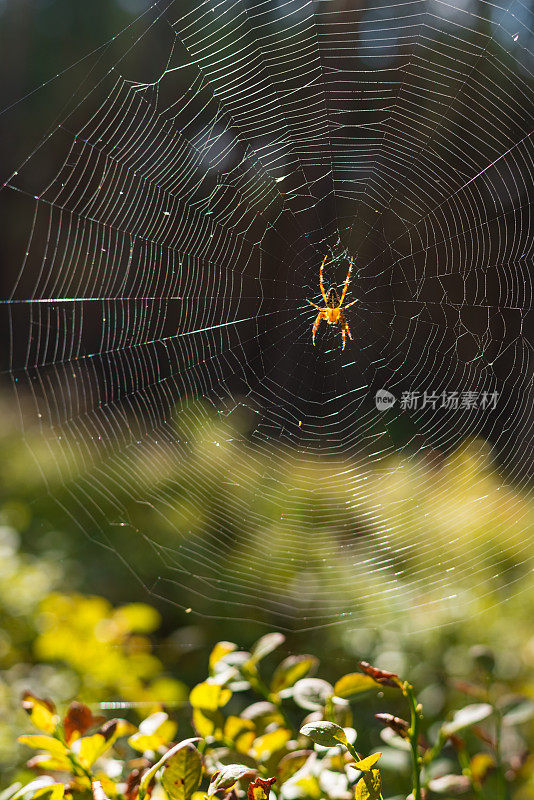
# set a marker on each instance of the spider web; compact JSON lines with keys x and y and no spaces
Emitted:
{"x":172,"y":222}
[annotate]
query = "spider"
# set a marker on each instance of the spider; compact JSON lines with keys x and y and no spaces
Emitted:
{"x":333,"y":313}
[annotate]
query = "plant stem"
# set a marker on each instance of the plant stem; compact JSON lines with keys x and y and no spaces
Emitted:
{"x":415,"y":716}
{"x":463,"y":758}
{"x":498,"y":754}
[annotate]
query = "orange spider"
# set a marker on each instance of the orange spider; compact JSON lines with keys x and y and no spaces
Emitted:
{"x":333,"y":313}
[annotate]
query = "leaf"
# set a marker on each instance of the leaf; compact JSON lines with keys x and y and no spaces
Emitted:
{"x":292,"y":669}
{"x":270,"y":743}
{"x":55,"y":792}
{"x":44,"y":762}
{"x":98,"y":791}
{"x":260,"y":788}
{"x":39,"y":787}
{"x":396,"y":724}
{"x":467,"y":716}
{"x":291,"y":763}
{"x":209,"y":696}
{"x":352,"y":684}
{"x":89,"y":748}
{"x":241,"y":732}
{"x":312,"y":693}
{"x":325,"y":733}
{"x":42,"y":712}
{"x":366,"y":764}
{"x":154,"y":731}
{"x":149,"y":774}
{"x":48,"y":743}
{"x":392,"y":739}
{"x":78,"y":719}
{"x":266,"y":645}
{"x":228,"y":776}
{"x":480,"y":765}
{"x":182,"y":773}
{"x":519,"y":714}
{"x":207,"y":723}
{"x":381,"y":676}
{"x":220,"y":650}
{"x":369,"y":786}
{"x":450,"y":784}
{"x":138,"y":617}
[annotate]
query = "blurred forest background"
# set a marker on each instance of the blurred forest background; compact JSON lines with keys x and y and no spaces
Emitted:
{"x":77,"y":622}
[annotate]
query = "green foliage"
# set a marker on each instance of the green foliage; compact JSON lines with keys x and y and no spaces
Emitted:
{"x":253,"y":739}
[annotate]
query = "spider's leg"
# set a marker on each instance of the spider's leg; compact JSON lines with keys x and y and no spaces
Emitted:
{"x":351,"y":303}
{"x":321,"y":281}
{"x":313,"y":304}
{"x":318,"y":319}
{"x":348,"y":330}
{"x":343,"y":336}
{"x":346,"y":286}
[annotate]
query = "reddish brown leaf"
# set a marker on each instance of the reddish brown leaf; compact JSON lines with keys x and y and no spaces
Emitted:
{"x":78,"y":719}
{"x":132,"y":784}
{"x":29,"y":700}
{"x":260,"y":788}
{"x":380,"y":675}
{"x":400,"y":726}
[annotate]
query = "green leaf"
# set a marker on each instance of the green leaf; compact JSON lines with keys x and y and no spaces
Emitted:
{"x":182,"y":773}
{"x":266,"y":645}
{"x":369,"y":786}
{"x":467,"y":716}
{"x":325,"y":733}
{"x":226,"y":777}
{"x":150,"y":774}
{"x":292,"y":669}
{"x":352,"y":684}
{"x":291,"y":763}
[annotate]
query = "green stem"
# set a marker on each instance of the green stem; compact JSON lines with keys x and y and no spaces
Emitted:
{"x":498,"y":754}
{"x":354,"y":753}
{"x":257,"y":683}
{"x":463,"y":758}
{"x":415,"y":716}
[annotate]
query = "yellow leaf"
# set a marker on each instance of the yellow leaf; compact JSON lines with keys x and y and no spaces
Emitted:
{"x":138,"y":617}
{"x":40,"y":742}
{"x":56,"y":791}
{"x":209,"y":696}
{"x":366,"y":763}
{"x":41,"y":712}
{"x":89,"y":748}
{"x":241,"y":732}
{"x":353,"y":683}
{"x":480,"y":765}
{"x":220,"y":650}
{"x":369,"y":786}
{"x":270,"y":742}
{"x":207,"y":723}
{"x":44,"y":762}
